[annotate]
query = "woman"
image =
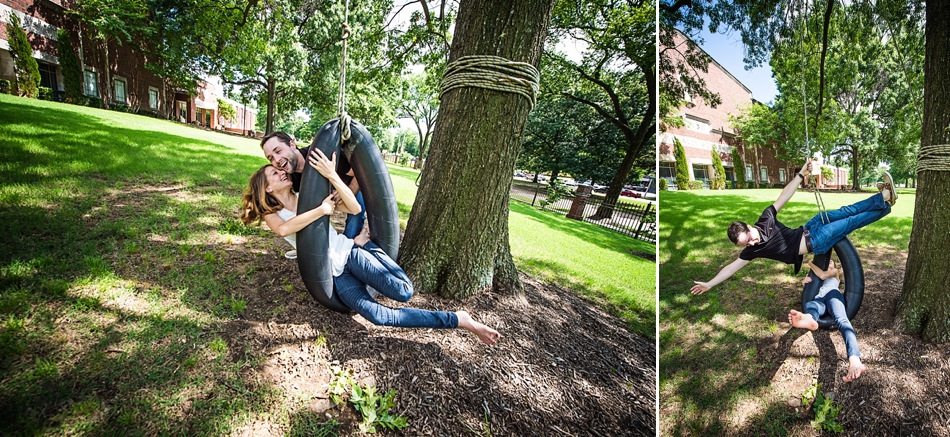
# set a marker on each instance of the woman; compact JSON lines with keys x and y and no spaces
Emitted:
{"x":356,"y":262}
{"x":830,"y":299}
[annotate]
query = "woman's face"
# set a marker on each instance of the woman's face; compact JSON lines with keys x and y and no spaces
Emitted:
{"x":277,"y":179}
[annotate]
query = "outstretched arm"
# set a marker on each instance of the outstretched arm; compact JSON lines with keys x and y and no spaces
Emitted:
{"x":725,"y":273}
{"x":300,"y":221}
{"x":327,"y":168}
{"x":789,"y":189}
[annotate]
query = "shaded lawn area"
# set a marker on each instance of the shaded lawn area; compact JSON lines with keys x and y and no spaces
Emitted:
{"x":723,"y":353}
{"x":132,"y":301}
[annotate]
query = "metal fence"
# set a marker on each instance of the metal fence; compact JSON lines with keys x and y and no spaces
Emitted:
{"x":626,"y":218}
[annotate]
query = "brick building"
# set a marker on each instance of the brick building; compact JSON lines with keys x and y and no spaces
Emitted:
{"x":707,"y":129}
{"x":125,"y":82}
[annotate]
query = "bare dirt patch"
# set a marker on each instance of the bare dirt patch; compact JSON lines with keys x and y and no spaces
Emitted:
{"x":906,"y":390}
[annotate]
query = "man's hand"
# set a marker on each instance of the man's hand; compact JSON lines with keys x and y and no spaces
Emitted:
{"x":700,"y":287}
{"x":807,"y":168}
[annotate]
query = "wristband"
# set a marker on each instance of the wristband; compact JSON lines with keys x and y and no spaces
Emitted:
{"x":802,"y":176}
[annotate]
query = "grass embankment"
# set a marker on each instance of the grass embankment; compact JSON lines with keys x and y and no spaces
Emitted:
{"x":712,"y":370}
{"x":112,"y":296}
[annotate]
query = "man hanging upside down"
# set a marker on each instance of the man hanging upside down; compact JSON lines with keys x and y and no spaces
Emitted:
{"x":769,"y":238}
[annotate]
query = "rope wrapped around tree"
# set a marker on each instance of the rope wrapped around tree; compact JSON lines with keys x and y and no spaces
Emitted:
{"x":494,"y":73}
{"x":935,"y":157}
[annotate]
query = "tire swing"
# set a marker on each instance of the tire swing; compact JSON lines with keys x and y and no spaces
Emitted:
{"x":853,"y":279}
{"x":848,"y":259}
{"x":382,"y":214}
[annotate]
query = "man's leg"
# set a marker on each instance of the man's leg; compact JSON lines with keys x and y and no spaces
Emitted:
{"x":846,"y":220}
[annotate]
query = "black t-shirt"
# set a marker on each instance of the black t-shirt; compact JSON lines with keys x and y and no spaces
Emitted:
{"x":778,"y":242}
{"x":305,"y":151}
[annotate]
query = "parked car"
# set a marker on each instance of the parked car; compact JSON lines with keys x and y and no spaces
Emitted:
{"x":631,"y":193}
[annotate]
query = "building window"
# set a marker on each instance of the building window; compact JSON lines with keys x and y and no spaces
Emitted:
{"x":700,"y":172}
{"x":730,"y":174}
{"x":182,"y":111}
{"x":91,"y":86}
{"x":748,"y":173}
{"x":120,"y":84}
{"x":764,"y":174}
{"x":668,"y":170}
{"x":48,"y":76}
{"x":153,"y":98}
{"x":781,"y":175}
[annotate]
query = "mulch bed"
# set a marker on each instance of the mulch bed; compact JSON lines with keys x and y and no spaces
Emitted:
{"x":906,"y":390}
{"x":563,"y":366}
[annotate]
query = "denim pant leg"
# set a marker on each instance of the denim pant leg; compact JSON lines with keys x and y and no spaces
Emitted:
{"x":835,"y":302}
{"x":844,"y":221}
{"x":354,"y":222}
{"x":815,"y":308}
{"x":353,"y":293}
{"x":372,"y":266}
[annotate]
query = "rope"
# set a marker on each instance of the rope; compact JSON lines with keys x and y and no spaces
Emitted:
{"x":818,"y":199}
{"x":341,"y":96}
{"x":493,"y":73}
{"x":935,"y":157}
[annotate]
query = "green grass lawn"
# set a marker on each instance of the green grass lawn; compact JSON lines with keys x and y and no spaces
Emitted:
{"x":710,"y":364}
{"x":111,"y":302}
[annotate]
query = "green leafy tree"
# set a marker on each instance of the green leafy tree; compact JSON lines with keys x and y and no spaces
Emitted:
{"x":420,"y":103}
{"x":25,"y":67}
{"x":719,"y":178}
{"x":617,"y":73}
{"x":682,"y":167}
{"x":226,"y":110}
{"x":72,"y":73}
{"x":756,"y":125}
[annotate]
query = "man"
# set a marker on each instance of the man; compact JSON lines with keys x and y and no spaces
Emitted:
{"x":282,"y":152}
{"x":769,"y":238}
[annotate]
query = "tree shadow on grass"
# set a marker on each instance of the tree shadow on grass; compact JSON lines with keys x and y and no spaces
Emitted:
{"x":704,"y":338}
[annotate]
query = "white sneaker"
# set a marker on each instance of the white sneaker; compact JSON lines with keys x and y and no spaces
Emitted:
{"x":291,"y":255}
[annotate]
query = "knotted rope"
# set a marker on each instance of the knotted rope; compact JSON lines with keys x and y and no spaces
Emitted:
{"x":494,"y":73}
{"x":935,"y":157}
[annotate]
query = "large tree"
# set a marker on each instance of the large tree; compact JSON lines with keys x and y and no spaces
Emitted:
{"x":756,"y":124}
{"x":456,"y":241}
{"x":617,"y":72}
{"x":420,"y":104}
{"x":924,"y":305}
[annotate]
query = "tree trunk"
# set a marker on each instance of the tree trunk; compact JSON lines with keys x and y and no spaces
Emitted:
{"x":456,"y":242}
{"x":924,"y":305}
{"x":271,"y":105}
{"x":107,"y":90}
{"x":855,"y":159}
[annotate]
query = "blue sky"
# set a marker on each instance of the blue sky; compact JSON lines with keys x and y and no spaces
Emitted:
{"x":728,"y":51}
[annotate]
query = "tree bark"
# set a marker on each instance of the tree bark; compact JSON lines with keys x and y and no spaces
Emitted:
{"x":456,"y":242}
{"x":924,"y":305}
{"x":271,"y":105}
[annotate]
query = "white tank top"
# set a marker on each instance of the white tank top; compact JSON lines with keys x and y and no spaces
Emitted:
{"x":339,"y":246}
{"x":828,"y":285}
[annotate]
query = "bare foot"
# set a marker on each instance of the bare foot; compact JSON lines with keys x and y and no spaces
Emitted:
{"x":855,"y":369}
{"x":802,"y":320}
{"x":363,"y":237}
{"x":485,"y":334}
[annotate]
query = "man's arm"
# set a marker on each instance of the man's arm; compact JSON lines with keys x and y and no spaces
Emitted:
{"x":725,"y":273}
{"x":789,"y":189}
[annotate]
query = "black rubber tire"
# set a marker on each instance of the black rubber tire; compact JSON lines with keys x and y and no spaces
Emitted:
{"x":850,"y":264}
{"x":382,"y":212}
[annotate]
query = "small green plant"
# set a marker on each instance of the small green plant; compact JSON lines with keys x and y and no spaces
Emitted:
{"x":373,"y":408}
{"x":664,"y":184}
{"x":825,"y":409}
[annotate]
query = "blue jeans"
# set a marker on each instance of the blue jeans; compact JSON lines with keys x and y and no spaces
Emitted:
{"x":834,"y":301}
{"x":844,"y":221}
{"x":354,"y":222}
{"x":369,"y":265}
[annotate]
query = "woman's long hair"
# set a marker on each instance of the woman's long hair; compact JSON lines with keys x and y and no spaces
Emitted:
{"x":257,"y":202}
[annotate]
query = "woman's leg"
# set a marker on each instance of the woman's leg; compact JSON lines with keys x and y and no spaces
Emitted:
{"x":373,"y":267}
{"x":352,"y":292}
{"x":837,"y":308}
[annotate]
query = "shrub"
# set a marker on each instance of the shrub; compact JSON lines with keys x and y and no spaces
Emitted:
{"x":72,"y":75}
{"x":46,"y":93}
{"x":664,"y":184}
{"x":695,"y":185}
{"x":738,"y":167}
{"x":93,"y":102}
{"x":719,"y":173}
{"x":5,"y":86}
{"x":24,"y":65}
{"x":682,"y":168}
